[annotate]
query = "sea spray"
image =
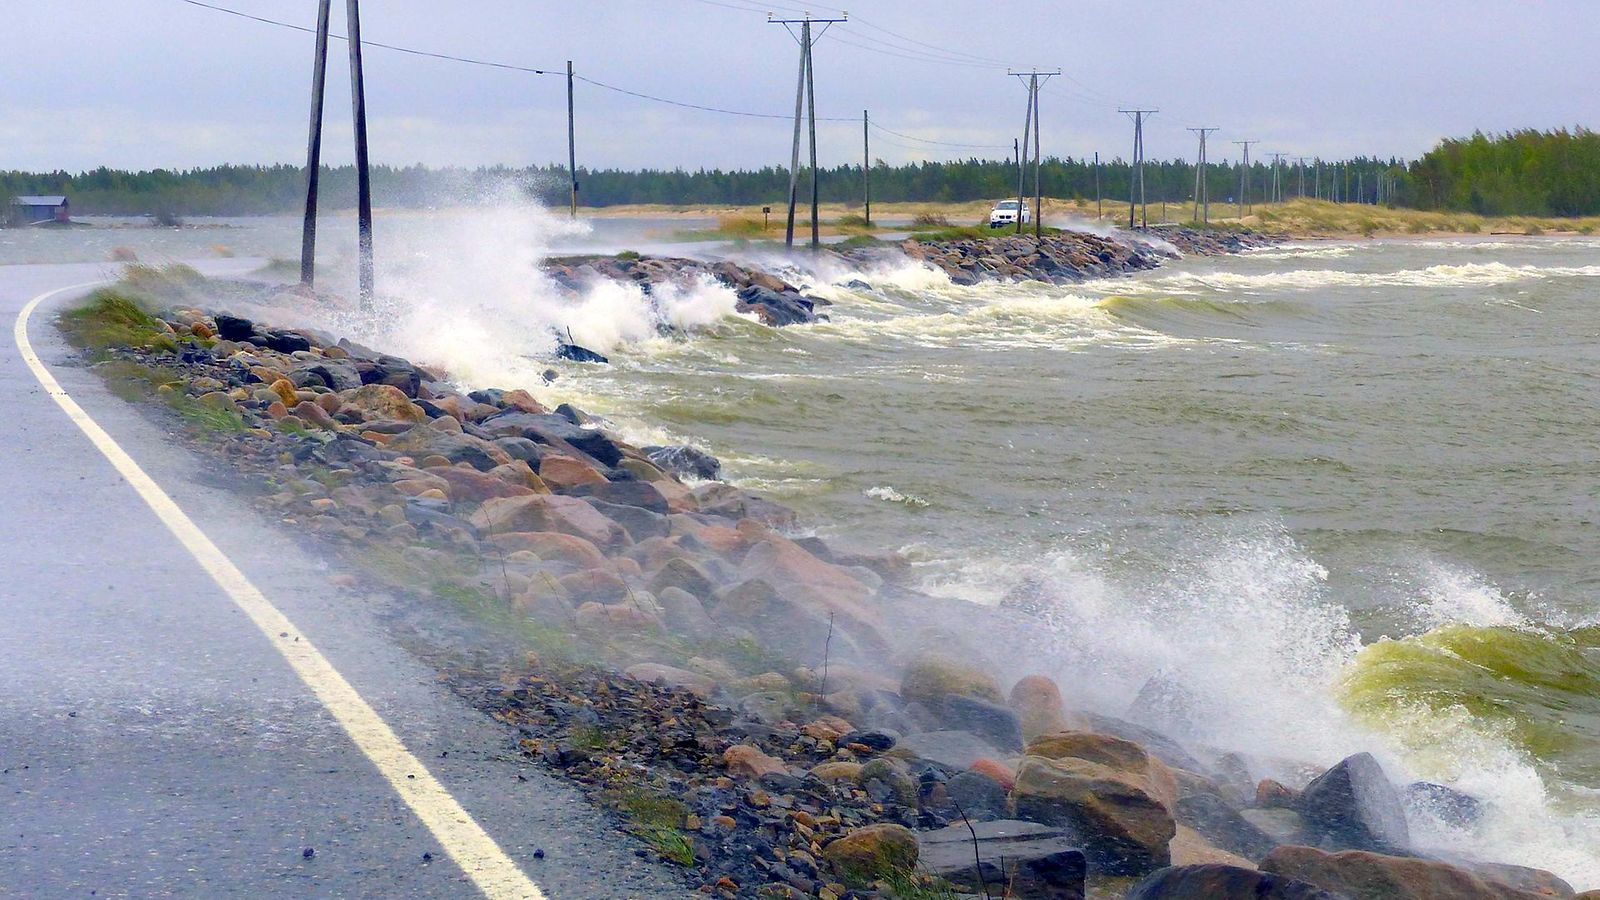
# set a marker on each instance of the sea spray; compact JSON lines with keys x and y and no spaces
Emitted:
{"x":469,"y":295}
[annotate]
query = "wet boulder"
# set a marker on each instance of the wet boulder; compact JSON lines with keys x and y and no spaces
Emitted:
{"x":776,"y":308}
{"x":1221,"y":882}
{"x":1114,"y":794}
{"x":1025,"y":860}
{"x":1353,"y":805}
{"x":685,"y":462}
{"x":871,"y":853}
{"x":1363,"y":874}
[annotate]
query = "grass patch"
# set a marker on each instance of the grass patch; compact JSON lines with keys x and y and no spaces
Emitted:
{"x":930,"y":220}
{"x":111,"y":319}
{"x":658,"y":819}
{"x":856,"y":242}
{"x":909,"y":885}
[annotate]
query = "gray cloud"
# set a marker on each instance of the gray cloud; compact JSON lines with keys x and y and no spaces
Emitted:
{"x":141,"y":83}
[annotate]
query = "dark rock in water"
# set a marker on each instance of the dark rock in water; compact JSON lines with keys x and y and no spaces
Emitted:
{"x":234,"y":328}
{"x":1222,"y":825}
{"x":976,"y":796}
{"x":685,"y":461}
{"x":1218,"y":882}
{"x":573,"y":414}
{"x":1448,"y":804}
{"x":776,"y":308}
{"x":990,"y":721}
{"x":1020,"y":859}
{"x":1353,"y":805}
{"x":856,"y":284}
{"x":579,"y":354}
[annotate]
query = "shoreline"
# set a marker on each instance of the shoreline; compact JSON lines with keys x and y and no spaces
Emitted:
{"x":750,"y":745}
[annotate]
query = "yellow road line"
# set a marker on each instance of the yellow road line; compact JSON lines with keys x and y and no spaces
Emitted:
{"x":461,"y":837}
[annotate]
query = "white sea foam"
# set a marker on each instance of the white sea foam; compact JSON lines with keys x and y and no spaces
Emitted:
{"x":890,"y":495}
{"x":1433,"y":276}
{"x":1242,"y":623}
{"x":468,"y":295}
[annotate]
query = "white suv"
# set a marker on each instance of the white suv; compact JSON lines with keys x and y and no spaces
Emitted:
{"x":1005,"y":213}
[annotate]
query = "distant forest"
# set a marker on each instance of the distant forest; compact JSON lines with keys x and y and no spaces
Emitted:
{"x":1533,"y":173}
{"x":1519,"y":173}
{"x":255,"y":190}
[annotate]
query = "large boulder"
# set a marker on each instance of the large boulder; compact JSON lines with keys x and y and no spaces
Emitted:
{"x":547,"y":512}
{"x":1364,"y":875}
{"x":1354,"y":806}
{"x":685,"y":461}
{"x":1026,"y":860}
{"x":1220,"y":882}
{"x":551,"y":547}
{"x":868,"y":854}
{"x":1115,"y":795}
{"x":383,"y":402}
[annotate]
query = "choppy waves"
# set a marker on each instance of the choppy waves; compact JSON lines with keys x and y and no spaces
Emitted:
{"x":1465,"y":274}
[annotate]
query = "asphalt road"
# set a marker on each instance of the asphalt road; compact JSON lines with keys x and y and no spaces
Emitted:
{"x":152,"y":741}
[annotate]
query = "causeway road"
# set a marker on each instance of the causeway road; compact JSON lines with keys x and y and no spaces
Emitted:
{"x":190,"y":708}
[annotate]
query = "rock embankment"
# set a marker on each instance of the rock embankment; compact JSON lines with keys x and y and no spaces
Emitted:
{"x":773,"y":300}
{"x":765,"y":710}
{"x":1069,"y":257}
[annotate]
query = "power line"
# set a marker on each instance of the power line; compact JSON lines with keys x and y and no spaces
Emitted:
{"x":701,"y":107}
{"x":366,"y":43}
{"x":912,"y":137}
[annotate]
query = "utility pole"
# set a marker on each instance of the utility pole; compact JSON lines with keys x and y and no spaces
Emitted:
{"x":319,"y":73}
{"x":1244,"y":179}
{"x":866,"y":168}
{"x":1032,"y":122}
{"x":1099,"y":210}
{"x":1316,"y":183}
{"x":1136,"y":183}
{"x":1038,"y":163}
{"x":1277,"y":178}
{"x":1301,"y":163}
{"x":572,"y":144}
{"x":358,"y":102}
{"x":805,"y":98}
{"x":1202,"y":192}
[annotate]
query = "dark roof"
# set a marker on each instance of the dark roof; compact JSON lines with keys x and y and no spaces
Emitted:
{"x":39,"y":201}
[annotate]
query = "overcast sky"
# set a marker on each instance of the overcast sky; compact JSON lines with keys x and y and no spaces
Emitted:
{"x":147,"y":83}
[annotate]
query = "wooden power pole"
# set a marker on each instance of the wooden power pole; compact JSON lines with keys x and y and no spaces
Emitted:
{"x":1136,"y":182}
{"x":805,"y":98}
{"x":358,"y":102}
{"x":572,"y":144}
{"x":319,"y":75}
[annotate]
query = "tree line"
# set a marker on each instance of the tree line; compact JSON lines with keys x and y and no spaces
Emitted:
{"x":1524,"y":172}
{"x":1533,"y":173}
